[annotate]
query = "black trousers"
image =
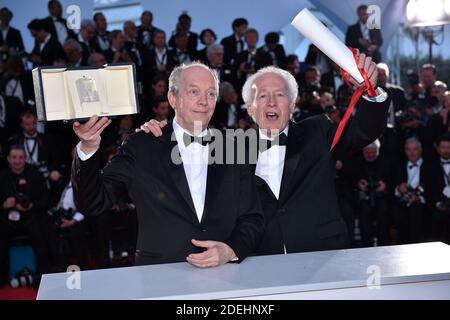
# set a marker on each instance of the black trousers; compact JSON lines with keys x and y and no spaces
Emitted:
{"x":377,"y":213}
{"x":412,"y":222}
{"x":31,"y":227}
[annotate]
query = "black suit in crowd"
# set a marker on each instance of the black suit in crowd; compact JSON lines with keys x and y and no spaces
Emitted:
{"x":192,"y":41}
{"x":230,"y":47}
{"x":52,"y":29}
{"x":13,"y":40}
{"x":166,"y":213}
{"x":354,"y":33}
{"x":51,"y":52}
{"x":307,"y":217}
{"x":145,"y":36}
{"x":278,"y":55}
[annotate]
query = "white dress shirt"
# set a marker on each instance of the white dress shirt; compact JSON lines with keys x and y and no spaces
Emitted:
{"x":414,"y":173}
{"x":42,"y":45}
{"x":31,"y":148}
{"x":61,"y":30}
{"x":161,"y":56}
{"x":270,"y":164}
{"x":67,"y":202}
{"x":364,"y":31}
{"x":13,"y":88}
{"x":5,"y":34}
{"x":195,"y":164}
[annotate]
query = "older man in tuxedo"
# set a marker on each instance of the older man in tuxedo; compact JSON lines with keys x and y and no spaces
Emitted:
{"x":198,"y":210}
{"x":295,"y":174}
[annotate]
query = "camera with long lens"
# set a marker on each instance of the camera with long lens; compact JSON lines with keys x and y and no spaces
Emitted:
{"x":58,"y":214}
{"x":43,"y":169}
{"x":408,"y":195}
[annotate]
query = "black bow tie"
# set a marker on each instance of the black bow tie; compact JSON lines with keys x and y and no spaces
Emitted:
{"x":265,"y":144}
{"x":204,"y":141}
{"x":30,"y":138}
{"x":445,"y":162}
{"x":413,"y":165}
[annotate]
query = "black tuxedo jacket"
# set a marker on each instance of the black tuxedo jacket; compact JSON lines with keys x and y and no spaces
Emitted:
{"x":160,"y":191}
{"x":13,"y":39}
{"x":425,"y":177}
{"x":140,"y":37}
{"x":50,"y":23}
{"x":230,"y":48}
{"x":280,"y":55}
{"x":436,"y":173}
{"x":353,"y":34}
{"x":306,"y":217}
{"x":52,"y":51}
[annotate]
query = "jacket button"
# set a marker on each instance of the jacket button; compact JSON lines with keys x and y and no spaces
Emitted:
{"x":203,"y":229}
{"x":281,"y":210}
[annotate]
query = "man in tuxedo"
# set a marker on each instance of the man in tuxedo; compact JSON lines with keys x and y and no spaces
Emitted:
{"x":360,"y":37}
{"x":184,"y":26}
{"x":182,"y":53}
{"x":155,"y":59}
{"x":184,"y":204}
{"x":295,"y":175}
{"x":102,"y":34}
{"x":117,"y":52}
{"x":47,"y":50}
{"x":215,"y":54}
{"x":57,"y":25}
{"x":9,"y":36}
{"x":413,"y":185}
{"x":274,"y":49}
{"x":146,"y":30}
{"x":74,"y":53}
{"x":86,"y":38}
{"x":234,"y":45}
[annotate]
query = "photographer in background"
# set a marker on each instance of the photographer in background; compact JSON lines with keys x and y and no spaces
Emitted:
{"x":440,"y":192}
{"x":412,"y":181}
{"x":372,"y":182}
{"x":67,"y":220}
{"x":23,"y":200}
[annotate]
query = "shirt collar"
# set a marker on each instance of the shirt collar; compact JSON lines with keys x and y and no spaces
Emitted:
{"x":179,"y":131}
{"x":47,"y":38}
{"x":418,"y":162}
{"x":262,"y":135}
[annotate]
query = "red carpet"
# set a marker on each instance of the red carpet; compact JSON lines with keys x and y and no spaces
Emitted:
{"x":8,"y":293}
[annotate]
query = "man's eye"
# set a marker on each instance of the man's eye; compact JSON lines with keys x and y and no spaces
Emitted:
{"x":193,"y":92}
{"x":262,"y":96}
{"x":212,"y":95}
{"x":280,"y":94}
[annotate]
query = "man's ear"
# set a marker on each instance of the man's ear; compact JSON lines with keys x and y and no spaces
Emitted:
{"x":250,"y":109}
{"x":172,"y":98}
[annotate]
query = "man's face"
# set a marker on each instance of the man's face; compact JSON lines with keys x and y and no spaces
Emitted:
{"x":131,"y":30}
{"x":39,"y":35}
{"x":326,"y":100}
{"x":159,"y":88}
{"x":56,"y":9}
{"x":88,"y":33}
{"x":119,"y":42}
{"x":272,"y":107}
{"x":443,"y":149}
{"x":413,"y":152}
{"x":195,"y":101}
{"x":428,"y":78}
{"x":438,"y":93}
{"x":159,"y":39}
{"x":147,"y":19}
{"x":73,"y":54}
{"x":252,"y":39}
{"x":4,"y":18}
{"x":312,"y":77}
{"x":370,"y":154}
{"x":363,"y":15}
{"x":98,"y":60}
{"x":29,"y":125}
{"x":208,"y":38}
{"x":216,"y":58}
{"x":382,"y":77}
{"x":101,"y":23}
{"x":240,"y":30}
{"x":17,"y":159}
{"x":294,"y":67}
{"x":162,"y":111}
{"x":185,"y":23}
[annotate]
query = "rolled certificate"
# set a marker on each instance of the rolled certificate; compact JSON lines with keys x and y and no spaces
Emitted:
{"x":327,"y":42}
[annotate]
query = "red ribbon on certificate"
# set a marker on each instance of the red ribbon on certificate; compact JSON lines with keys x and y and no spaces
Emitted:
{"x":355,"y":97}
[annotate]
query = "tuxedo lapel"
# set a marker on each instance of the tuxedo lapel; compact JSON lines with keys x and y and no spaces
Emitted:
{"x":291,"y":159}
{"x":176,"y":171}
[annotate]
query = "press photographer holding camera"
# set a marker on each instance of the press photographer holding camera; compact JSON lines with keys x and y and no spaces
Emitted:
{"x":412,"y":180}
{"x":373,"y":186}
{"x":23,"y":200}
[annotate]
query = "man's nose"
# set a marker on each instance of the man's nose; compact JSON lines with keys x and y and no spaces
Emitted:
{"x":271,"y":100}
{"x":203,"y":99}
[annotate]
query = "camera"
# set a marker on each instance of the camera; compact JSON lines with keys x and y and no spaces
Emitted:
{"x":58,"y":214}
{"x":23,"y":278}
{"x":407,"y":196}
{"x":21,"y":194}
{"x":43,"y":169}
{"x":370,"y":194}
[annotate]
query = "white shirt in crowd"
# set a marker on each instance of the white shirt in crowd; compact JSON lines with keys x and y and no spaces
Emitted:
{"x":61,"y":30}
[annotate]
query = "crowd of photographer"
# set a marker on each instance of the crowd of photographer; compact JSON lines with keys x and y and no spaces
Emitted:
{"x":395,"y":191}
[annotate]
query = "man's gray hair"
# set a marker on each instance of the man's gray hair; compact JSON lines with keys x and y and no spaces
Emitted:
{"x":73,"y":44}
{"x":413,"y":140}
{"x":175,"y":76}
{"x":291,"y":83}
{"x":374,"y":145}
{"x":86,"y":23}
{"x":213,"y":48}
